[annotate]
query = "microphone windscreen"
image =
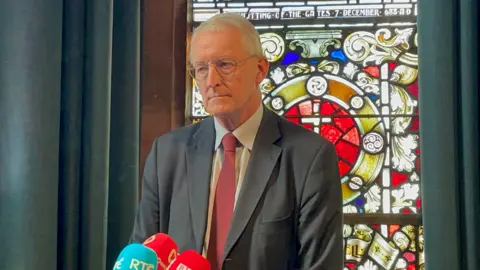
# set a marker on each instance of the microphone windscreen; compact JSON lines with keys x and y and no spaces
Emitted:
{"x":189,"y":260}
{"x":136,"y":256}
{"x":165,"y":248}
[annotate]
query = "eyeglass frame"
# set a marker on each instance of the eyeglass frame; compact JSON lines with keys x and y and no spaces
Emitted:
{"x":220,"y":71}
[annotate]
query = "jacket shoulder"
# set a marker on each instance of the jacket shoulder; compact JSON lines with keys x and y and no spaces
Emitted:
{"x":182,"y":135}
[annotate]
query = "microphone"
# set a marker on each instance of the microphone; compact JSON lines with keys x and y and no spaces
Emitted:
{"x":137,"y":257}
{"x":189,"y":260}
{"x":165,"y":248}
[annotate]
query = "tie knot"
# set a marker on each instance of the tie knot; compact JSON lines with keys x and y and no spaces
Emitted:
{"x":229,"y":142}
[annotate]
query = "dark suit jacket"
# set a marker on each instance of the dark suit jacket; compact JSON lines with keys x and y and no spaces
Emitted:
{"x":289,"y":211}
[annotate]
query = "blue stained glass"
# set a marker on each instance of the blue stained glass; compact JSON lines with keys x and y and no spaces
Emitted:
{"x":339,"y":55}
{"x":359,"y":202}
{"x":372,"y":97}
{"x":289,"y":58}
{"x":314,"y":62}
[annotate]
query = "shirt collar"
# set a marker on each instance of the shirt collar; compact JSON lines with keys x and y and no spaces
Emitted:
{"x":245,"y":133}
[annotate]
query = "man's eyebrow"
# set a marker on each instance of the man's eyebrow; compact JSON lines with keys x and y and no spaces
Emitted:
{"x":216,"y":59}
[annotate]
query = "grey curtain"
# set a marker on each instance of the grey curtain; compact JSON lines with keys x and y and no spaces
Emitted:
{"x":69,"y":131}
{"x":449,"y":124}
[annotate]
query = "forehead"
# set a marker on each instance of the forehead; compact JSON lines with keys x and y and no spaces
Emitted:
{"x":212,"y":44}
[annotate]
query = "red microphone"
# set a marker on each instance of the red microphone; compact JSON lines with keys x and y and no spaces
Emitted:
{"x":189,"y":260}
{"x":165,"y":248}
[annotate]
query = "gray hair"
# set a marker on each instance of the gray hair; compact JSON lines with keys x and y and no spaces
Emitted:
{"x":251,"y":38}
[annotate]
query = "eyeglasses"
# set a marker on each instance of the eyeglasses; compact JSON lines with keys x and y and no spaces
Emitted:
{"x":224,"y":67}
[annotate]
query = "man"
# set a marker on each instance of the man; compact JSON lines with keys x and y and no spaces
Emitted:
{"x":245,"y":188}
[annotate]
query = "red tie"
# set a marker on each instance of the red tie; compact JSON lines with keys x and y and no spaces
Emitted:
{"x":223,"y":204}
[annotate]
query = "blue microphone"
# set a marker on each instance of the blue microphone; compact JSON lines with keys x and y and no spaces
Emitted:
{"x":136,"y":257}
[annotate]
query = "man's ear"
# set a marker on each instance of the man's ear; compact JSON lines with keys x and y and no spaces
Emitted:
{"x":262,"y":68}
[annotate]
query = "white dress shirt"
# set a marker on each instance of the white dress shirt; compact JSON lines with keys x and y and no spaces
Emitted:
{"x":245,"y":135}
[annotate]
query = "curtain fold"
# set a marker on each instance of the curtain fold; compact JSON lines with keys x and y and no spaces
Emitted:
{"x":95,"y":134}
{"x":69,"y":137}
{"x":70,"y":158}
{"x":449,"y":123}
{"x":125,"y":126}
{"x":30,"y":74}
{"x":469,"y":137}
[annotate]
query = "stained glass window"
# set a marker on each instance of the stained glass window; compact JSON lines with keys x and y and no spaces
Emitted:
{"x":348,"y":70}
{"x":366,"y":248}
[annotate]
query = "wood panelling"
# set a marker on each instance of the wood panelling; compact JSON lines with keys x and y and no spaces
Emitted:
{"x":163,"y":55}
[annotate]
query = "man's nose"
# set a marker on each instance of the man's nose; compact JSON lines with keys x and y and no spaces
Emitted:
{"x":213,"y":78}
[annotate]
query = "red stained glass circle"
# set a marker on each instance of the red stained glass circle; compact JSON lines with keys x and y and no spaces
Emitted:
{"x":335,"y":124}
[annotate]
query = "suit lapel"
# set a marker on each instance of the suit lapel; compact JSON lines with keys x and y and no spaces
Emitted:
{"x":263,"y":159}
{"x":199,"y":164}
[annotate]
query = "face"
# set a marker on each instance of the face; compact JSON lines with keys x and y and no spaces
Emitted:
{"x":232,"y":74}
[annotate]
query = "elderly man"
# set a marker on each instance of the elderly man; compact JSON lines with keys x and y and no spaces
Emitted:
{"x":245,"y":188}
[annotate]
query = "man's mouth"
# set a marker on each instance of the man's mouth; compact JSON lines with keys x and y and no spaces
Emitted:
{"x":219,"y":96}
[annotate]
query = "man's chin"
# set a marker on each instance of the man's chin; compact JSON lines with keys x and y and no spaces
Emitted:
{"x":221,"y":111}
